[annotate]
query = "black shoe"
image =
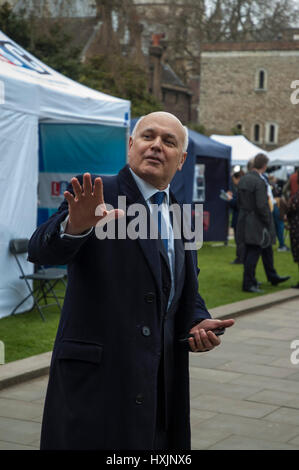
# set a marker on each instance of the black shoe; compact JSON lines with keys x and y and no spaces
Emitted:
{"x":254,"y":290}
{"x":278,"y":279}
{"x":236,"y":261}
{"x":296,"y":286}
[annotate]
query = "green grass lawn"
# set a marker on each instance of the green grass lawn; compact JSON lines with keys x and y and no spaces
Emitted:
{"x":26,"y":334}
{"x":220,"y":283}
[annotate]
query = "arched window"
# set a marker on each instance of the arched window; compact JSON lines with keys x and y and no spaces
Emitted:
{"x":238,"y":129}
{"x":261,"y":80}
{"x":256,"y":133}
{"x":271,"y":133}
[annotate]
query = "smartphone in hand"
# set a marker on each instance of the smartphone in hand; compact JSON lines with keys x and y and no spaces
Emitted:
{"x":217,"y":332}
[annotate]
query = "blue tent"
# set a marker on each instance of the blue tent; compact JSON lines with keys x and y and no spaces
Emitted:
{"x":205,"y":172}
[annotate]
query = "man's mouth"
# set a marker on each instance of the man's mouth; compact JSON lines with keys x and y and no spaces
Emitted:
{"x":153,"y":159}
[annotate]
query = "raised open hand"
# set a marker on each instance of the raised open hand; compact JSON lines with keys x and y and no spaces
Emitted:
{"x":87,"y":206}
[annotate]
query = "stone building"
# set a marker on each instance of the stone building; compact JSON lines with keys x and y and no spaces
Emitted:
{"x":246,"y":87}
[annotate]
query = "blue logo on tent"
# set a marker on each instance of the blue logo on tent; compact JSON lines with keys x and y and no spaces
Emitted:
{"x":14,"y":55}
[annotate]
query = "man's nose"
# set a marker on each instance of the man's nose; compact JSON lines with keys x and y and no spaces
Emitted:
{"x":157,"y":142}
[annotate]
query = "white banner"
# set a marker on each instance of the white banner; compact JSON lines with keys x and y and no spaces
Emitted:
{"x":51,"y":187}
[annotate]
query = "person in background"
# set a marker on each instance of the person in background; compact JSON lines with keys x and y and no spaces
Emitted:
{"x":278,"y":220}
{"x":293,"y":220}
{"x":255,"y":226}
{"x":232,"y":195}
{"x":292,"y":186}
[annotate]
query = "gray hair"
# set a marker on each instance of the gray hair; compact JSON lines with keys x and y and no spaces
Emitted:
{"x":185,"y":129}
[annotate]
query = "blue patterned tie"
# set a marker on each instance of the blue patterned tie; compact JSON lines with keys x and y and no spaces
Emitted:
{"x":158,"y":198}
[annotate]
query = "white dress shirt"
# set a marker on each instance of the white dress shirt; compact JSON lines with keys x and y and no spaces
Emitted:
{"x":147,"y":191}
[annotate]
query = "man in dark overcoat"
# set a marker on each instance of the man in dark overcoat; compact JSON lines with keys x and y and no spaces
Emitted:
{"x":119,"y":374}
{"x":255,"y":226}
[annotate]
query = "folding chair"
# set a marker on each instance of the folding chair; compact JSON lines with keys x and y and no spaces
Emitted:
{"x":45,"y":278}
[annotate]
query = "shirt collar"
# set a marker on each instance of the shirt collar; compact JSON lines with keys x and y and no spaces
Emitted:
{"x":147,"y":190}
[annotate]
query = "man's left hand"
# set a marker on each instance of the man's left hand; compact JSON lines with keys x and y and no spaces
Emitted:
{"x":204,"y":338}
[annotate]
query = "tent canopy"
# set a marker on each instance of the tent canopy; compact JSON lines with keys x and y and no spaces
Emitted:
{"x":199,"y":146}
{"x":242,"y":149}
{"x":212,"y":162}
{"x":27,"y":85}
{"x":43,"y":116}
{"x":206,"y":147}
{"x":286,"y":155}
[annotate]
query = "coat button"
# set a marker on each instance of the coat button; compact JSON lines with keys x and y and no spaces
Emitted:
{"x":149,"y":297}
{"x":139,"y":399}
{"x":146,"y":331}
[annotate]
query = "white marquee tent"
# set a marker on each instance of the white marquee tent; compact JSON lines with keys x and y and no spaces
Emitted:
{"x":30,"y":94}
{"x":242,"y":149}
{"x":287,"y":155}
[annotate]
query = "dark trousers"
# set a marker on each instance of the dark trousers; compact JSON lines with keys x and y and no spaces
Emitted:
{"x":251,"y":257}
{"x":240,"y":248}
{"x":279,"y":226}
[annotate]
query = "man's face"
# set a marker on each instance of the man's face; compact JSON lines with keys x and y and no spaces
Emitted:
{"x":156,"y":151}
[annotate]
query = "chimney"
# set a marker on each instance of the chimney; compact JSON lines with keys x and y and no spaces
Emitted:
{"x":155,"y":54}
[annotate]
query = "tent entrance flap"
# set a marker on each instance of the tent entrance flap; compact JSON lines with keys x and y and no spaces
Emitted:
{"x":66,"y":150}
{"x":18,"y":188}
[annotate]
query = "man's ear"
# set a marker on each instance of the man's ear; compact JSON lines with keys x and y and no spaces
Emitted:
{"x":130,"y":141}
{"x":183,"y":158}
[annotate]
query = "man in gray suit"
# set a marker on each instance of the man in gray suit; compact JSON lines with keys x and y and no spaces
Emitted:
{"x":255,"y":225}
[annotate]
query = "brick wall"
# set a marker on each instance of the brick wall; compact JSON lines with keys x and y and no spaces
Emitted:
{"x":229,"y":95}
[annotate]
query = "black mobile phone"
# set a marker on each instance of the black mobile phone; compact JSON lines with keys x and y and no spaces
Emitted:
{"x":217,"y":332}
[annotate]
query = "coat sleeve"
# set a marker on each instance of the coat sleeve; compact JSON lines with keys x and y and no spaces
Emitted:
{"x":46,"y":245}
{"x":262,"y":206}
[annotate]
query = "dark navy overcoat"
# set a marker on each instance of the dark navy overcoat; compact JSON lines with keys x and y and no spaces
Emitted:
{"x":102,"y":391}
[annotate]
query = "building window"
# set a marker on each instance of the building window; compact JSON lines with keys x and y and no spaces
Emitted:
{"x":257,"y":133}
{"x":261,"y":80}
{"x":237,"y":129}
{"x":271,"y":136}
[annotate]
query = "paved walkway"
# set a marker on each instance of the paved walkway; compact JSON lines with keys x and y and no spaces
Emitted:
{"x":244,"y":395}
